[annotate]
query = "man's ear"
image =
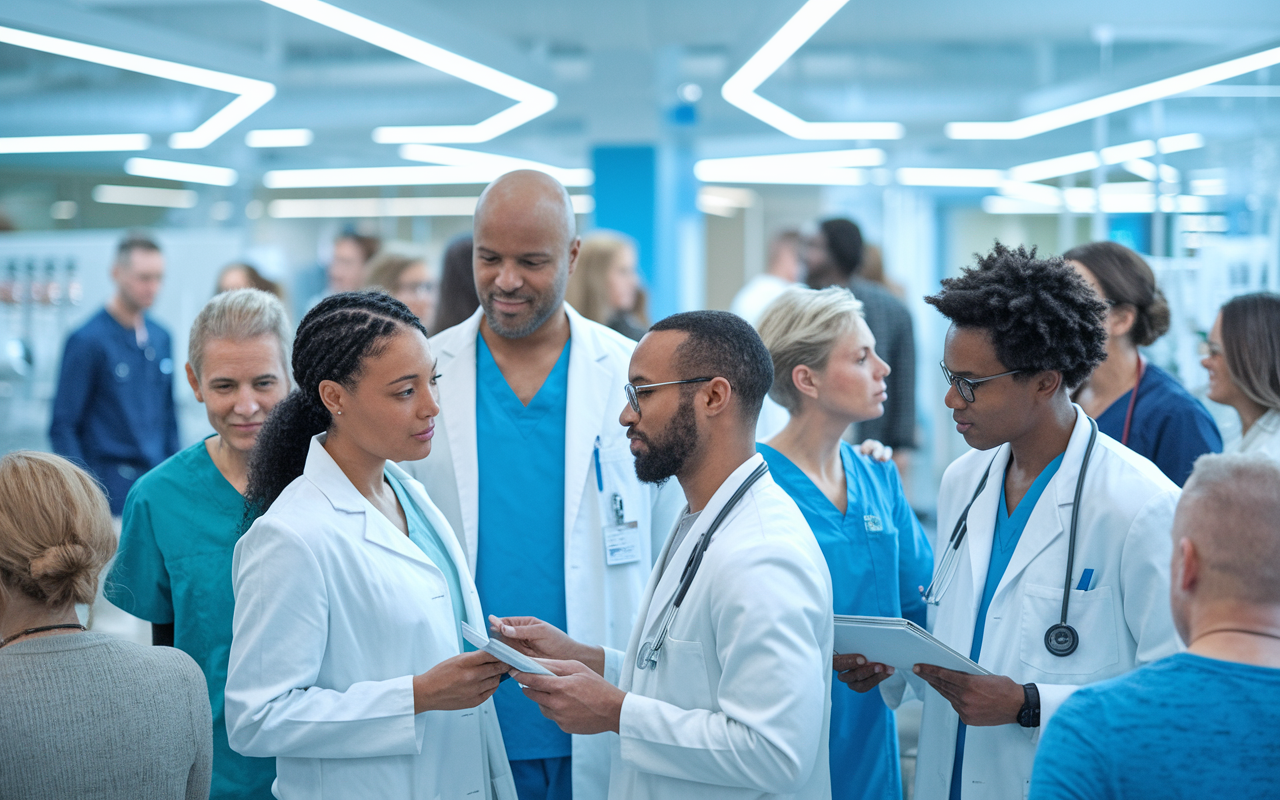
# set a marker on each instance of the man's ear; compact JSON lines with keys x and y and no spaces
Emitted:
{"x":716,"y":396}
{"x":1047,"y":383}
{"x":1190,"y":561}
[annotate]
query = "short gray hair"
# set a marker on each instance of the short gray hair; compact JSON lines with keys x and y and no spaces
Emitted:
{"x":238,"y":315}
{"x":1240,"y":493}
{"x":802,"y":327}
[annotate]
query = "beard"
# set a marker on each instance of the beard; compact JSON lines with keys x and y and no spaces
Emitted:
{"x":540,"y":310}
{"x":667,"y":456}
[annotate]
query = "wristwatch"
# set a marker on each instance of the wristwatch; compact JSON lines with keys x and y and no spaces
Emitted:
{"x":1029,"y":714}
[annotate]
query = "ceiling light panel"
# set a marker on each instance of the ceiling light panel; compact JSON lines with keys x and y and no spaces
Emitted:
{"x":91,"y":143}
{"x":401,"y":176}
{"x":252,"y":94}
{"x":1116,"y":101}
{"x":355,"y":207}
{"x":181,"y":171}
{"x":945,"y":176}
{"x":492,"y":163}
{"x":822,"y":168}
{"x":144,"y":196}
{"x":1117,"y":154}
{"x":531,"y":101}
{"x":279,"y":137}
{"x":740,"y":89}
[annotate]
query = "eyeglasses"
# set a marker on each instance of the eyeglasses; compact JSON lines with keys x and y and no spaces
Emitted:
{"x":417,"y":287}
{"x":634,"y":399}
{"x":965,"y":386}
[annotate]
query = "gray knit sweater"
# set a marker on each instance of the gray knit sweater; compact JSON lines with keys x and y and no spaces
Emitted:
{"x":93,"y":717}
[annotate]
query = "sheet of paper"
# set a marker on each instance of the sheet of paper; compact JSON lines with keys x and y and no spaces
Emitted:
{"x":503,"y":652}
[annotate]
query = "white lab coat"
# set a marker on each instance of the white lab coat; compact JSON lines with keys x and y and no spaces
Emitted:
{"x":336,"y":611}
{"x":1123,"y":621}
{"x":602,"y":600}
{"x":739,"y":703}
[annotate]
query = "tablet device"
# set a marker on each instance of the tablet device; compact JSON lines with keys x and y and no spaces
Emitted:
{"x":504,"y":653}
{"x":900,"y":643}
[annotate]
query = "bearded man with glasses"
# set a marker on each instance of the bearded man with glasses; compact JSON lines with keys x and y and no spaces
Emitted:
{"x":1042,"y":507}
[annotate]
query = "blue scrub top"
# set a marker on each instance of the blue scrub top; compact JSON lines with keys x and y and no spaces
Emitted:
{"x":423,"y":534}
{"x":1170,"y":427}
{"x":180,"y":527}
{"x":879,"y":557}
{"x":1008,"y":533}
{"x":520,"y":544}
{"x":113,"y":411}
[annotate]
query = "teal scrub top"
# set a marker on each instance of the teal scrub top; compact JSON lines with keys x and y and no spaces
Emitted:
{"x":1008,"y":532}
{"x":424,"y":535}
{"x":180,"y":526}
{"x":879,"y":558}
{"x":520,"y":567}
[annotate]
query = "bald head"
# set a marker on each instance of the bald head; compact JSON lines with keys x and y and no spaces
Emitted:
{"x":528,"y":197}
{"x":525,"y":248}
{"x":1230,"y":513}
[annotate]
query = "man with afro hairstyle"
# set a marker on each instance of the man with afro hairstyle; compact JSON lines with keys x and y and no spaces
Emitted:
{"x":1024,"y":331}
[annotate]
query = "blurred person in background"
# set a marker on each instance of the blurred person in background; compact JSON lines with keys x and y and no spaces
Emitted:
{"x":458,"y":300}
{"x":873,"y":270}
{"x":182,"y":520}
{"x":1201,"y":723}
{"x":1243,"y":361}
{"x":827,"y":374}
{"x":784,"y":269}
{"x":405,"y":278}
{"x":345,"y":272}
{"x":1161,"y":421}
{"x":239,"y":275}
{"x":605,"y":286}
{"x":113,"y":410}
{"x":834,"y":256}
{"x":83,"y":714}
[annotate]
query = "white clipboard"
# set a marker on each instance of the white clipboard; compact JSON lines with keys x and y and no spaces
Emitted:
{"x":900,"y":643}
{"x":502,"y":652}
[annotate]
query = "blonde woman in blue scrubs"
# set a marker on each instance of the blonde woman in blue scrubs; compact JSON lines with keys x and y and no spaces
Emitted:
{"x":828,"y":376}
{"x":182,"y":519}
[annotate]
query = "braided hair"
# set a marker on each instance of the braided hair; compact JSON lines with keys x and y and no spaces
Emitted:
{"x":333,"y":343}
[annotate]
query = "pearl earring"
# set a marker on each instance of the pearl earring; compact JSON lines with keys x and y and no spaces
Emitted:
{"x":339,"y":413}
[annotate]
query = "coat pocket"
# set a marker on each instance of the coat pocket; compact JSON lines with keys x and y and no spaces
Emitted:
{"x":682,"y":675}
{"x":1091,"y":613}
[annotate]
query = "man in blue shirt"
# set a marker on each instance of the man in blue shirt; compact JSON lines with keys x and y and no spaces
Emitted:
{"x":114,"y":411}
{"x":531,"y":468}
{"x":1204,"y":721}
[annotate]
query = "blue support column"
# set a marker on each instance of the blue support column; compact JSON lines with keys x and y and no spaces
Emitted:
{"x":625,"y":192}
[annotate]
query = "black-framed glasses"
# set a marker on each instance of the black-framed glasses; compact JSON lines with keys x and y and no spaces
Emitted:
{"x":965,"y":386}
{"x":634,"y":399}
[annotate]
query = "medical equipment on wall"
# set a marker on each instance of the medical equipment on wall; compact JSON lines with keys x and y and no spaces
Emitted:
{"x":648,"y":655}
{"x":1060,"y":639}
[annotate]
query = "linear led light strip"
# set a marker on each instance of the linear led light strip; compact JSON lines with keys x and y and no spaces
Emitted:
{"x":355,"y":207}
{"x":822,"y":168}
{"x":458,"y":166}
{"x":531,"y":101}
{"x":1117,"y":154}
{"x":497,"y":164}
{"x":740,"y":89}
{"x":1116,"y":101}
{"x":253,"y":94}
{"x":180,"y":171}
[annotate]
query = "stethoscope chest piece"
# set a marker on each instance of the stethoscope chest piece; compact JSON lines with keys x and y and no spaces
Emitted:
{"x":645,"y":657}
{"x":1061,"y":640}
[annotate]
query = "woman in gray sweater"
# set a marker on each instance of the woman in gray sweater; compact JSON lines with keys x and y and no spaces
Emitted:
{"x":83,"y":714}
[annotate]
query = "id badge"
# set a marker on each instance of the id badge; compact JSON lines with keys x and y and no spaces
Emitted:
{"x":622,"y":538}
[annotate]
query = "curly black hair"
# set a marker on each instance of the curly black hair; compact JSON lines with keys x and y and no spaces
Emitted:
{"x":333,"y":343}
{"x":1042,"y":316}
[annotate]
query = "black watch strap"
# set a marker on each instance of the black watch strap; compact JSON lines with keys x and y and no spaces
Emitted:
{"x":1029,"y":714}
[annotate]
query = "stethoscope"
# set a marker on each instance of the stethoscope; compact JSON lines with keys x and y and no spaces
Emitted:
{"x":1061,"y":639}
{"x":648,"y":655}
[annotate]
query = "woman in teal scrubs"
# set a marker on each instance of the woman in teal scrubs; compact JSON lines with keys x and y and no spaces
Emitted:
{"x":827,"y":374}
{"x":182,"y":519}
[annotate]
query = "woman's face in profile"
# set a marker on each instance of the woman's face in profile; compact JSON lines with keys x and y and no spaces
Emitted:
{"x":232,"y":279}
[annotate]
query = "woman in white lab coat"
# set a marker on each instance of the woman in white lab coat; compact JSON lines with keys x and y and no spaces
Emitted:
{"x":350,"y":589}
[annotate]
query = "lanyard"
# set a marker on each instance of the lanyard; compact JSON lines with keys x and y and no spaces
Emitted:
{"x":1133,"y":399}
{"x":648,"y":655}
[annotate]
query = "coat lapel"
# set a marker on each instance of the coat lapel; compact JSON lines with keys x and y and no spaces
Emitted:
{"x":457,"y":366}
{"x":584,"y":413}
